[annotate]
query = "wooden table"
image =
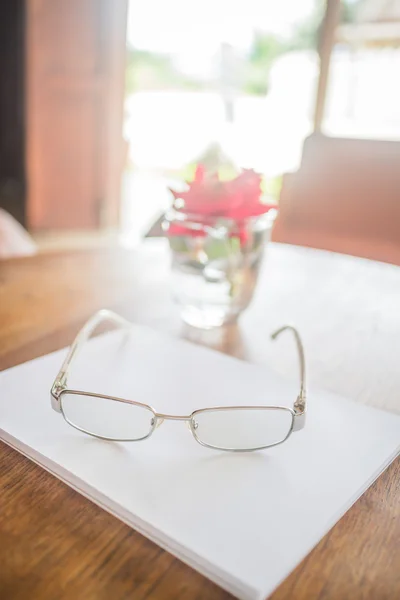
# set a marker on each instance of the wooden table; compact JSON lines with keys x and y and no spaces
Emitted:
{"x":55,"y":544}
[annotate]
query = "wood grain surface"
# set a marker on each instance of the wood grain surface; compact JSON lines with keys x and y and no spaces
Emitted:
{"x":56,"y":544}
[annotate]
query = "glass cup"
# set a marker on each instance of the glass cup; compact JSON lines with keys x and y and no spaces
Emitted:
{"x":215,"y":264}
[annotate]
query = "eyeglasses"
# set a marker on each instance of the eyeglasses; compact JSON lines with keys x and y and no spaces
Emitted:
{"x":231,"y":428}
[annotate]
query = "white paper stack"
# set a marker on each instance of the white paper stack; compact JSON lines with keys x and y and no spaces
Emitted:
{"x":243,"y":520}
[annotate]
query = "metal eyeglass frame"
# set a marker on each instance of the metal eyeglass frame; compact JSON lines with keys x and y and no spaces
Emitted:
{"x":60,"y":387}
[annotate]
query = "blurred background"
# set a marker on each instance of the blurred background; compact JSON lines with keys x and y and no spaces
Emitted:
{"x":104,"y":104}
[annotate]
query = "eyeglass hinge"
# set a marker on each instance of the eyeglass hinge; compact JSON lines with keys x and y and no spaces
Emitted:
{"x":299,"y":412}
{"x":300,"y":404}
{"x":58,"y":386}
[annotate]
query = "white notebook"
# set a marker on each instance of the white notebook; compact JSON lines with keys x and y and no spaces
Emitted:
{"x":243,"y":520}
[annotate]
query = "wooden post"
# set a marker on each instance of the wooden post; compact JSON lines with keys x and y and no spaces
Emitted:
{"x":75,"y":53}
{"x":327,"y":41}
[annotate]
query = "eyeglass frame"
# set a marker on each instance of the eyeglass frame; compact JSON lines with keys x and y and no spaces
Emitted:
{"x":60,"y":388}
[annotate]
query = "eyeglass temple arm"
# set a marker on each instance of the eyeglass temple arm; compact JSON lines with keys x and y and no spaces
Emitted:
{"x":301,"y":401}
{"x":83,"y":335}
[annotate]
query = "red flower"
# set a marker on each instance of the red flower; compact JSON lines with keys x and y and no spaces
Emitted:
{"x":207,"y":198}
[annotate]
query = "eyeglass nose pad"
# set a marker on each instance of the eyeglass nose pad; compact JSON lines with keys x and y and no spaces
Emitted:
{"x":192,"y":424}
{"x":158,"y":421}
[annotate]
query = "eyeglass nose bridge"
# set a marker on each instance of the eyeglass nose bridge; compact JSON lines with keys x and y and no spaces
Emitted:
{"x":161,"y":417}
